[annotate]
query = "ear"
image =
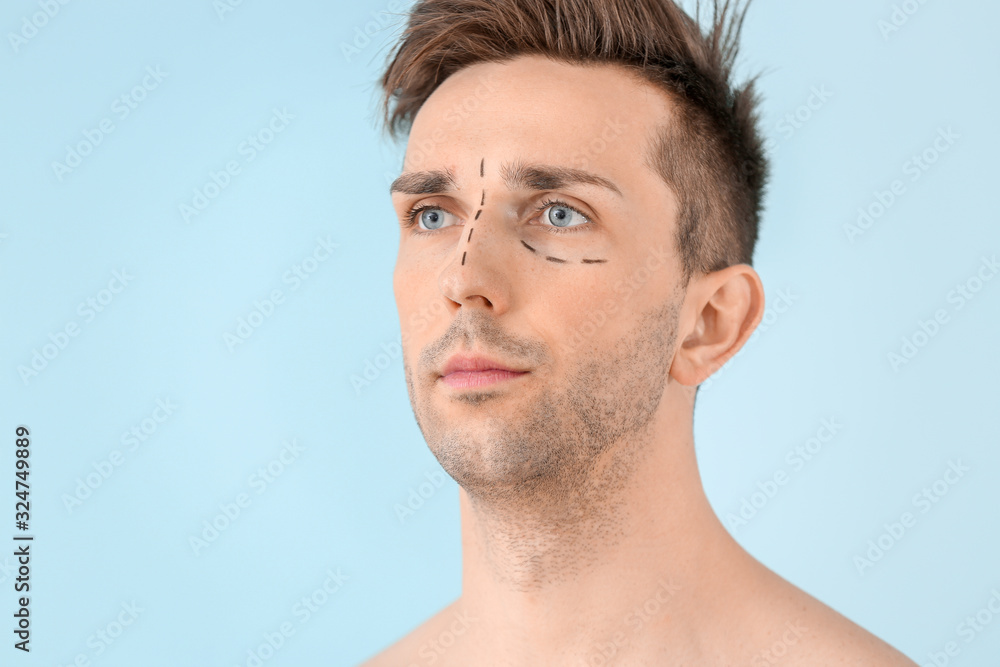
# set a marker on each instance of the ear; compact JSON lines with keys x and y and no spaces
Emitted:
{"x":721,"y":310}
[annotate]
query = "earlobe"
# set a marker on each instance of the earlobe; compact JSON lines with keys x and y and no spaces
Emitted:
{"x":722,"y":309}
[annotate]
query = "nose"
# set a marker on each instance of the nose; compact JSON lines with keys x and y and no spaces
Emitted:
{"x":477,"y":272}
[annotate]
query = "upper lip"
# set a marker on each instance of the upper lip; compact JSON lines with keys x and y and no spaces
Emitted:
{"x":474,"y":362}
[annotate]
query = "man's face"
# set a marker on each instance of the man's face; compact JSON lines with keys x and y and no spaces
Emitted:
{"x":545,"y":244}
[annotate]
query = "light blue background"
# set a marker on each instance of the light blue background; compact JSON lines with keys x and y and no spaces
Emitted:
{"x":325,"y":175}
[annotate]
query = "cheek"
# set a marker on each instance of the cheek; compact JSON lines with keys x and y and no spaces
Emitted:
{"x":583,"y":317}
{"x":418,"y":301}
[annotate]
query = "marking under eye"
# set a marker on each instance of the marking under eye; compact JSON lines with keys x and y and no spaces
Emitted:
{"x":593,"y":261}
{"x":527,"y":246}
{"x":554,"y":259}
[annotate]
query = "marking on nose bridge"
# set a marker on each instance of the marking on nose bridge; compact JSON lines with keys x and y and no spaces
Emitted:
{"x":468,"y":239}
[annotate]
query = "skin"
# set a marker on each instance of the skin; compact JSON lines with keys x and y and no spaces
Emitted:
{"x":586,"y":532}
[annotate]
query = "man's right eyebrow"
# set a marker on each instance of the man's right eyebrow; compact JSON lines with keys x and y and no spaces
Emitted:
{"x":424,"y":183}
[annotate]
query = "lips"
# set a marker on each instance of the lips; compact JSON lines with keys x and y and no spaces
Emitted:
{"x":475,"y":364}
{"x":472,"y":371}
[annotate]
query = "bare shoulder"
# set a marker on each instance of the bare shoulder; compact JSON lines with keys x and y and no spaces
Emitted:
{"x":435,"y":641}
{"x":800,"y":631}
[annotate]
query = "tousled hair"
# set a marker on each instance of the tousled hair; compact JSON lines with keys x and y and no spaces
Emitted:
{"x":710,"y":153}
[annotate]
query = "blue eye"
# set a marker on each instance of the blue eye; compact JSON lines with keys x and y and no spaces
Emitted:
{"x":432,"y":218}
{"x":563,"y":217}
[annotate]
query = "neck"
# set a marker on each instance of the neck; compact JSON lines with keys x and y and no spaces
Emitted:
{"x":562,"y":567}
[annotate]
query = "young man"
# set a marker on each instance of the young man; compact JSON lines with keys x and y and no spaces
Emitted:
{"x":579,"y":205}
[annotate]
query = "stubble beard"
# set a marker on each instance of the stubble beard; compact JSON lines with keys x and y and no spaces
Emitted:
{"x":575,"y":444}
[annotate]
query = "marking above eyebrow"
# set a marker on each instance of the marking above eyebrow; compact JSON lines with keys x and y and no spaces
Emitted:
{"x":554,"y":259}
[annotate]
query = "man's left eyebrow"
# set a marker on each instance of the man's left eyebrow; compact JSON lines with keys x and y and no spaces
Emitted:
{"x":519,"y":176}
{"x":424,"y":183}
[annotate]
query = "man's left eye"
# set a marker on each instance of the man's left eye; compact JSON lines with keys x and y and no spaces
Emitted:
{"x":561,"y":215}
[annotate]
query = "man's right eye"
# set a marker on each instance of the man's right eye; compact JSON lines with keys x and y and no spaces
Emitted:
{"x":430,"y":218}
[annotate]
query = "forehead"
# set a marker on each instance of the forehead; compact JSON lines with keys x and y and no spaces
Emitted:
{"x":535,"y":108}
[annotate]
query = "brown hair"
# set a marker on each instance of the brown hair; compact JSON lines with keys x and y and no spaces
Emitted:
{"x":711,"y":155}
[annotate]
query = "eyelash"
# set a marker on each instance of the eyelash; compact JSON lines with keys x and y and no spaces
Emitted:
{"x":411,"y":217}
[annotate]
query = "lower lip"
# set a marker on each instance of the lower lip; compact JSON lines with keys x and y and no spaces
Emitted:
{"x":469,"y":379}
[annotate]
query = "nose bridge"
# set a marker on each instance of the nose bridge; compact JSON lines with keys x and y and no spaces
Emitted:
{"x":481,"y":258}
{"x":487,"y":236}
